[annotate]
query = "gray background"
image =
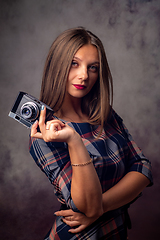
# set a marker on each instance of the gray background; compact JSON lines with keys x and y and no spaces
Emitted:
{"x":130,"y":31}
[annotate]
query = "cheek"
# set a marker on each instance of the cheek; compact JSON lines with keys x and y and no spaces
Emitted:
{"x":94,"y":80}
{"x":72,"y":74}
{"x":69,"y":77}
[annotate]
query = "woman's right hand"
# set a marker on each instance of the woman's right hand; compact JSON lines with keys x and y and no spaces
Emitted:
{"x":54,"y":130}
{"x":77,"y":221}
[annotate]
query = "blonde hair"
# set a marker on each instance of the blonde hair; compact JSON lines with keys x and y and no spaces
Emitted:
{"x":96,"y":104}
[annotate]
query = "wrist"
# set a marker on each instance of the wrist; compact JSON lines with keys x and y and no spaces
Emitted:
{"x":74,"y":139}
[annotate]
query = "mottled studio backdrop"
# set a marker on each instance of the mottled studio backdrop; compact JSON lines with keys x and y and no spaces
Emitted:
{"x":130,"y":31}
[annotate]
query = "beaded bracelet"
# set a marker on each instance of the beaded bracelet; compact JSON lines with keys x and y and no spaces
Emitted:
{"x":81,"y":164}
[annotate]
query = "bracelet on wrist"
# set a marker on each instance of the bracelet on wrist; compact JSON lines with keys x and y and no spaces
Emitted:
{"x":82,"y":164}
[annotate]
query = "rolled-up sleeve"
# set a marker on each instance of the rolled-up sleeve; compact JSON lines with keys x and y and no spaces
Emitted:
{"x":136,"y":161}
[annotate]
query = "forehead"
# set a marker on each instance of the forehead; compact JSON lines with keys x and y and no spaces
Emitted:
{"x":89,"y":52}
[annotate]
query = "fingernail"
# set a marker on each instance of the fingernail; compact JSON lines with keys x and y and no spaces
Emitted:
{"x":35,"y":121}
{"x":42,"y":108}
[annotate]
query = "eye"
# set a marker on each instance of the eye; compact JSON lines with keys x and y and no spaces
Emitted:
{"x":74,"y":63}
{"x":93,"y":68}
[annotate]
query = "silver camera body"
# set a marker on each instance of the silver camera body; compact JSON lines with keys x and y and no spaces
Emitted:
{"x":26,"y":109}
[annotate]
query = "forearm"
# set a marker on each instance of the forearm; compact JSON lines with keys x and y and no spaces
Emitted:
{"x":126,"y":190}
{"x":85,"y":186}
{"x":86,"y":189}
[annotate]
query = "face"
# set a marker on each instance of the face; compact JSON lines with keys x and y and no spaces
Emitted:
{"x":83,"y":72}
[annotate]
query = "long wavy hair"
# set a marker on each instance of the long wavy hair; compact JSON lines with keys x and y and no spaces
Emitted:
{"x":96,"y":104}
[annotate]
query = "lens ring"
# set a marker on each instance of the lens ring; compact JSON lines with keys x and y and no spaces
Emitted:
{"x":29,"y":111}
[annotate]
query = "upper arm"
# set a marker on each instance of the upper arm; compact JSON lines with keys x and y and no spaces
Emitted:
{"x":134,"y":157}
{"x":53,"y":160}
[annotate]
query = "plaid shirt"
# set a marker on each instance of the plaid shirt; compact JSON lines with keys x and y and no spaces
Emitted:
{"x":114,"y":154}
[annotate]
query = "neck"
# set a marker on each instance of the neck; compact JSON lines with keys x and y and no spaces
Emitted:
{"x":72,"y":111}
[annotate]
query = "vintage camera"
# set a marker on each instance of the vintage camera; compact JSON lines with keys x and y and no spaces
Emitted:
{"x":26,"y":109}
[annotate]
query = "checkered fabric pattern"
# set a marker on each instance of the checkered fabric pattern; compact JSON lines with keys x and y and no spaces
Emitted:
{"x":114,"y":154}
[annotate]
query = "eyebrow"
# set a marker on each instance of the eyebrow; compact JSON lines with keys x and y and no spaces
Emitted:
{"x":96,"y":62}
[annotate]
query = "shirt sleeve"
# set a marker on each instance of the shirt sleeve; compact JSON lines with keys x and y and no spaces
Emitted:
{"x":53,"y":159}
{"x":136,"y":161}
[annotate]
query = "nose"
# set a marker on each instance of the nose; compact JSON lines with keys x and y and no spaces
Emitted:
{"x":83,"y":73}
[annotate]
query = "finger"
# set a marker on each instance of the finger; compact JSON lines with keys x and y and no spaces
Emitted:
{"x":42,"y":118}
{"x":70,"y":223}
{"x":47,"y":126}
{"x":60,"y":123}
{"x":34,"y":132}
{"x":64,"y":213}
{"x":55,"y":128}
{"x":78,"y":229}
{"x":34,"y":128}
{"x":69,"y":218}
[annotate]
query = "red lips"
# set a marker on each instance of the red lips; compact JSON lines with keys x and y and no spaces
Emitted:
{"x":78,"y":86}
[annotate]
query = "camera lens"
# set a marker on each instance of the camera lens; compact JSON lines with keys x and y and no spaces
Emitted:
{"x":26,"y":111}
{"x":29,"y":111}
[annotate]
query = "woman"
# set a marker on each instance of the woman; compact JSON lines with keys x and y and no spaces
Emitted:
{"x":85,"y":150}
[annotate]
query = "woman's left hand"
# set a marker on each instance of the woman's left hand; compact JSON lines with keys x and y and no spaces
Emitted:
{"x":77,"y":221}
